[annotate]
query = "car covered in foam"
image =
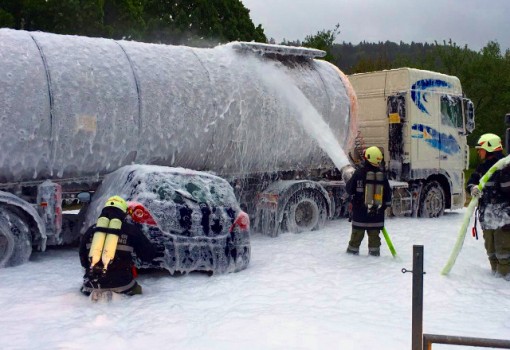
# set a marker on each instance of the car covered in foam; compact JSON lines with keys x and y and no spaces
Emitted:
{"x":193,"y":215}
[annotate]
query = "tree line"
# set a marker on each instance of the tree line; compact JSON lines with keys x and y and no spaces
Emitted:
{"x":484,"y":74}
{"x":196,"y":23}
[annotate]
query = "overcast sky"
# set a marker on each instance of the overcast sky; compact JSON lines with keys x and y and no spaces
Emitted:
{"x":471,"y":22}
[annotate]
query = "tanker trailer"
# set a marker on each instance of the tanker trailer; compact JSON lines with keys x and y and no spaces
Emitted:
{"x":75,"y":108}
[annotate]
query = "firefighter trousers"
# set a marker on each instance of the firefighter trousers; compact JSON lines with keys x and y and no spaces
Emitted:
{"x":374,"y":240}
{"x":497,"y":245}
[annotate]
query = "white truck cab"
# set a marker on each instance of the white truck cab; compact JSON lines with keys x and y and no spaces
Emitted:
{"x":420,"y":119}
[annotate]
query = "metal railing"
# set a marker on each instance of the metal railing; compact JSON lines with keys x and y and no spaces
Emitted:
{"x":421,"y":341}
{"x":429,"y":339}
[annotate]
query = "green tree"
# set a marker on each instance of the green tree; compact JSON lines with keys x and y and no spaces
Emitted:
{"x":485,"y":77}
{"x":89,"y":22}
{"x":374,"y":57}
{"x":489,"y":87}
{"x":237,"y":16}
{"x":200,"y":22}
{"x":123,"y":19}
{"x":6,"y":19}
{"x":57,"y":16}
{"x":323,"y":40}
{"x":10,"y":13}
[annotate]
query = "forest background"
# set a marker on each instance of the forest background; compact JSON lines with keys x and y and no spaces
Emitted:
{"x":484,"y":74}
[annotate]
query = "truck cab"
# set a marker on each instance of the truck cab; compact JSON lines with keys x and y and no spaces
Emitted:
{"x":420,"y":119}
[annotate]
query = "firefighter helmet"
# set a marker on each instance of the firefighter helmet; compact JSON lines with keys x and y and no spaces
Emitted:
{"x":373,"y":155}
{"x":490,"y":143}
{"x":117,"y":202}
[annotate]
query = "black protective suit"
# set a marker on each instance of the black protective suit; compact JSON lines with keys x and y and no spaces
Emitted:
{"x":494,"y":213}
{"x":362,"y":218}
{"x":490,"y":192}
{"x":355,"y":187}
{"x":119,"y":275}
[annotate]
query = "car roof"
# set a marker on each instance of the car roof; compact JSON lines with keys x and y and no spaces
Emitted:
{"x":142,"y":169}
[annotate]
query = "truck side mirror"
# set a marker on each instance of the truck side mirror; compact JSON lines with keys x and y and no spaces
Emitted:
{"x":469,"y":115}
{"x":84,"y":197}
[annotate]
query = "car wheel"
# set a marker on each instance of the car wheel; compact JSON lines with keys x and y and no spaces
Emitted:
{"x":15,"y":240}
{"x":432,"y":200}
{"x":305,"y":211}
{"x":243,"y":258}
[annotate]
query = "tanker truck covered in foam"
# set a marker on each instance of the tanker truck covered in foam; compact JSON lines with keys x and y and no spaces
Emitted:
{"x":75,"y":108}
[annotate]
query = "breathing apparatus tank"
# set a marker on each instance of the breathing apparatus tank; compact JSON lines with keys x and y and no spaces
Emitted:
{"x":104,"y":242}
{"x":369,"y":189}
{"x":378,"y":194}
{"x":374,"y":188}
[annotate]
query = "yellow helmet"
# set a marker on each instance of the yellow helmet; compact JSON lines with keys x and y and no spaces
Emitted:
{"x":490,"y":143}
{"x":117,"y":202}
{"x":373,"y":155}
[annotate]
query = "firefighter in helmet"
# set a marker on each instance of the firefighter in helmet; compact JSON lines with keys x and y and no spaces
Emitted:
{"x":494,"y":204}
{"x":370,"y":194}
{"x":106,"y":251}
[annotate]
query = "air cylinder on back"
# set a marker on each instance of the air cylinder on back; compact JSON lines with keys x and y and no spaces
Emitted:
{"x":76,"y":106}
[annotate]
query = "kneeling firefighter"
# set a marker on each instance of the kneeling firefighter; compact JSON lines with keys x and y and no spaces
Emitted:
{"x":370,"y":195}
{"x":106,"y":251}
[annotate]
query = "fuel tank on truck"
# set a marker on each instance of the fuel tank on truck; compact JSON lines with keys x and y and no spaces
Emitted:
{"x":75,"y":106}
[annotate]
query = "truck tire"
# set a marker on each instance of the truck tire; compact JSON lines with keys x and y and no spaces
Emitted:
{"x":432,"y":200}
{"x":305,"y":211}
{"x":6,"y":244}
{"x":15,"y":240}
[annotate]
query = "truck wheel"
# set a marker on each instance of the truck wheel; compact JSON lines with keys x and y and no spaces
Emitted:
{"x":6,"y":244}
{"x":432,"y":200}
{"x":305,"y":211}
{"x":15,"y":240}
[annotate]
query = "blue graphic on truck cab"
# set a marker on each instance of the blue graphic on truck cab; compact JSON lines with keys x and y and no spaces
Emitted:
{"x":441,"y":141}
{"x":419,"y":91}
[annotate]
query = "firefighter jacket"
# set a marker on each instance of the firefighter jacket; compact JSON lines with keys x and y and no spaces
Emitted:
{"x":119,"y":275}
{"x":362,"y":217}
{"x":494,"y":205}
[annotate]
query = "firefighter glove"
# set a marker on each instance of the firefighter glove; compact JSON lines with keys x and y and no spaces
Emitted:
{"x":475,"y":192}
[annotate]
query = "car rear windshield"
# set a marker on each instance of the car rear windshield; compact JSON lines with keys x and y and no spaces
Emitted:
{"x":189,"y":205}
{"x":200,"y":189}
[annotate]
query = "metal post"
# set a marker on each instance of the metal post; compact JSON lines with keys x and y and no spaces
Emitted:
{"x":417,"y":326}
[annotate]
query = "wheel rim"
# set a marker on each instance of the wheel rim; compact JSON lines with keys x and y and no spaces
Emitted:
{"x":306,"y":215}
{"x":434,"y":202}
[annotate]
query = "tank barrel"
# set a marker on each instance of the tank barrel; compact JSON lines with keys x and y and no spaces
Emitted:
{"x":77,"y":106}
